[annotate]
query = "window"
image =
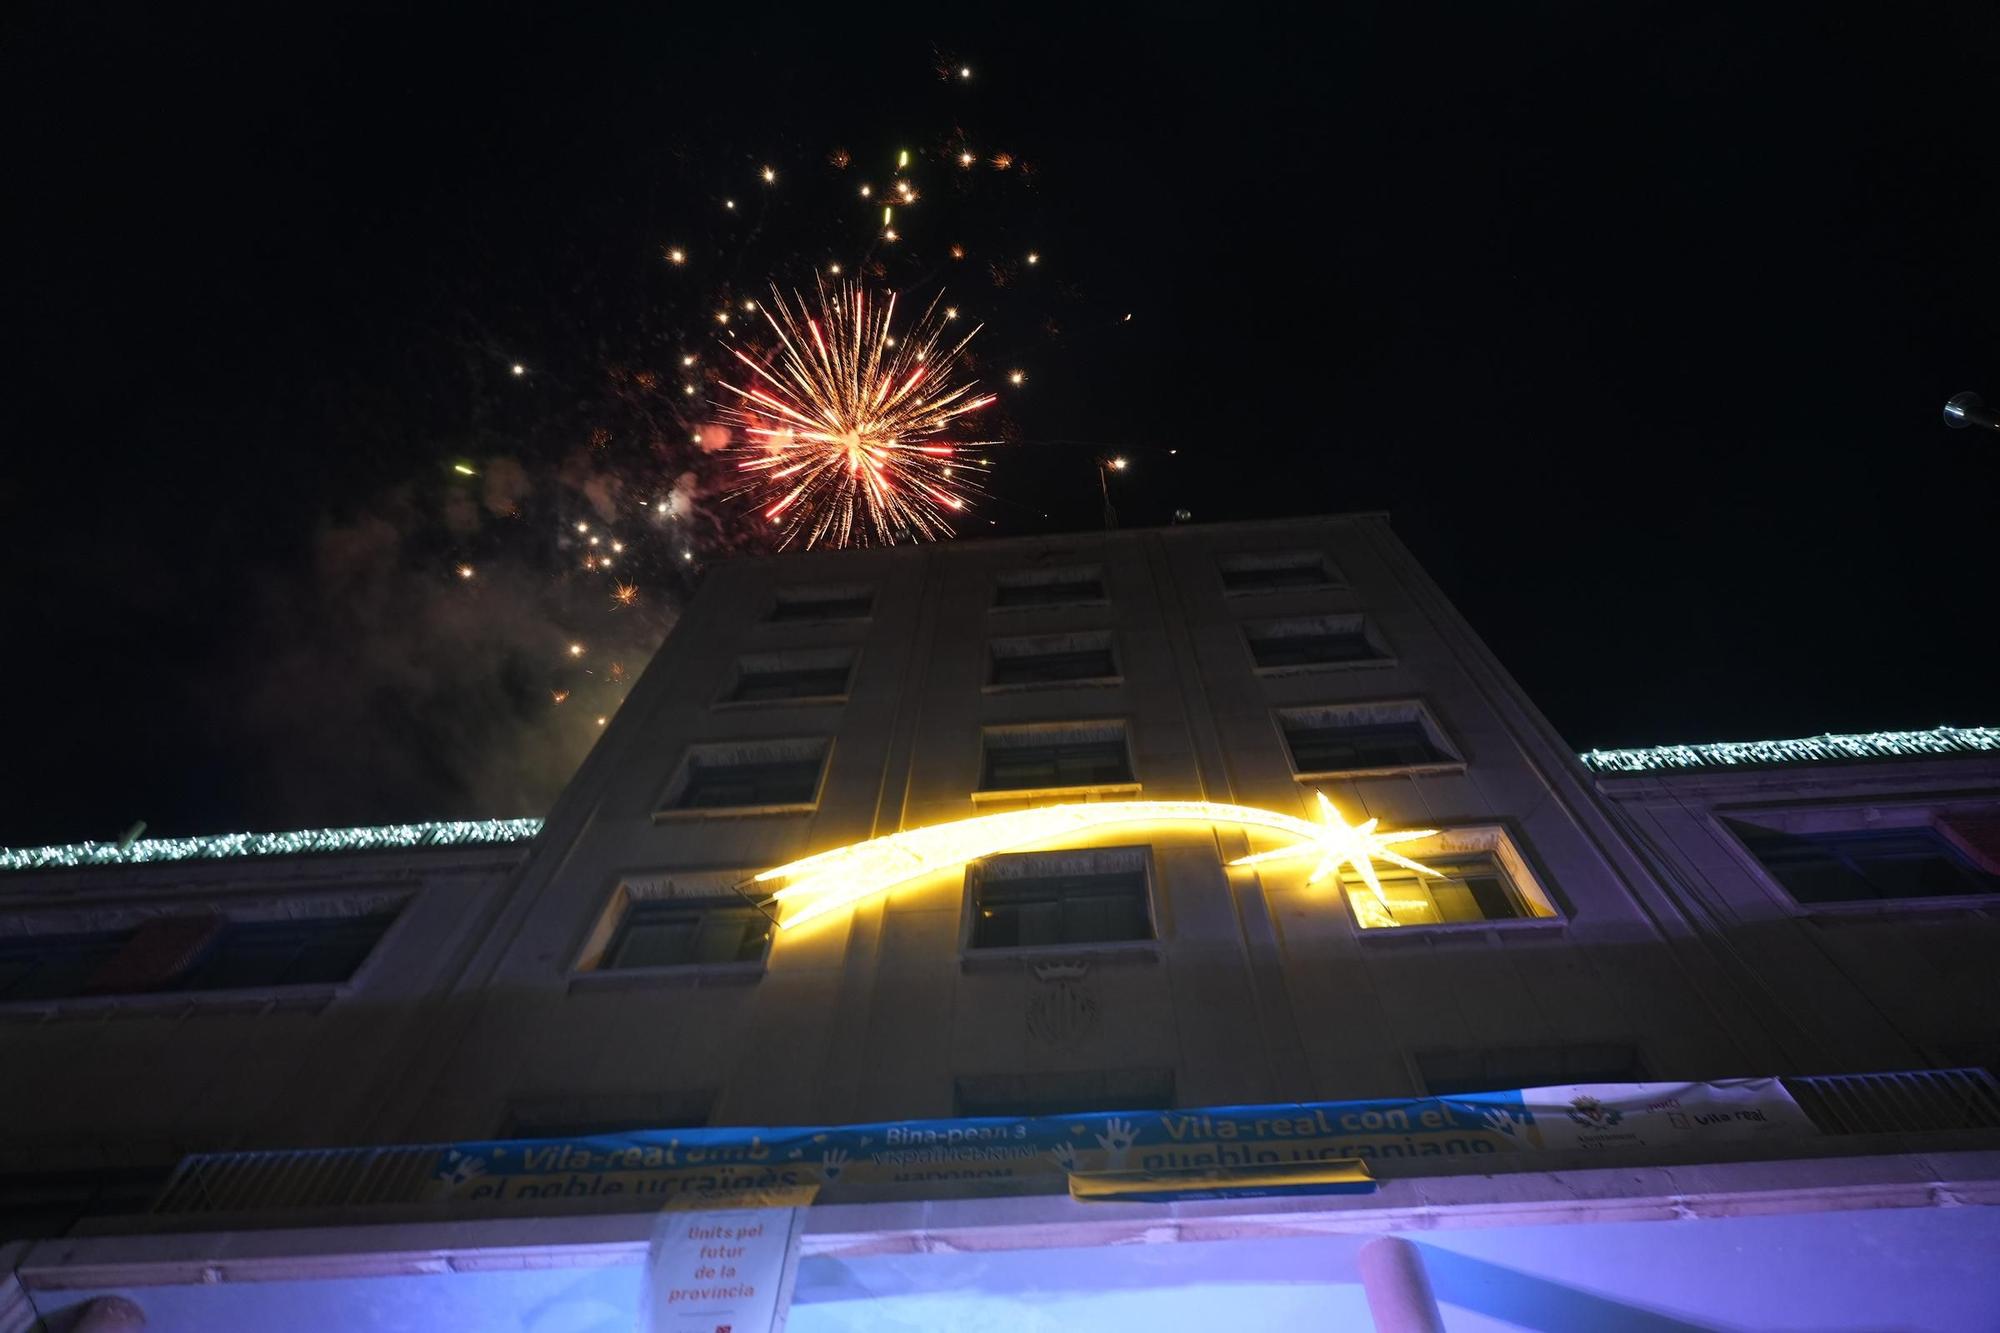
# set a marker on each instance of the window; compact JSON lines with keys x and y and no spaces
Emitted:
{"x":1275,"y":571}
{"x":1320,"y":641}
{"x":1027,"y":1095}
{"x":1049,"y":587}
{"x":54,"y":967}
{"x":773,"y":677}
{"x":250,"y":954}
{"x":1337,"y":749}
{"x":1037,"y":758}
{"x":847,"y":602}
{"x":573,"y":1116}
{"x":1468,"y":889}
{"x":1510,"y":1069}
{"x":1052,"y":659}
{"x":749,"y":775}
{"x":1864,"y":865}
{"x":1044,"y":899}
{"x":679,"y":932}
{"x":195,"y":952}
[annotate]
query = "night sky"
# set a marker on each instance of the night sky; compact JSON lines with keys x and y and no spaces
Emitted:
{"x":1637,"y":318}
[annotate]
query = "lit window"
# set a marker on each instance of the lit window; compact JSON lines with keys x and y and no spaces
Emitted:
{"x":772,"y":677}
{"x":835,"y":603}
{"x":1466,"y":889}
{"x":749,"y":775}
{"x":1049,"y":587}
{"x":1275,"y":571}
{"x":1864,"y":865}
{"x":1051,"y":660}
{"x":1038,"y":758}
{"x":682,"y":932}
{"x":1043,"y":899}
{"x":1317,"y":642}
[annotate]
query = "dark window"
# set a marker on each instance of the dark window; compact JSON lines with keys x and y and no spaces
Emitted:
{"x":1041,"y":668}
{"x":677,"y":932}
{"x":1466,"y":889}
{"x":319,"y":951}
{"x":760,"y":782}
{"x":1282,"y":650}
{"x":1304,"y":573}
{"x":1082,"y":589}
{"x":1084,"y":763}
{"x":1867,"y":864}
{"x":1366,"y":745}
{"x":1511,"y":1069}
{"x":1026,"y":1095}
{"x":837,"y":606}
{"x":54,"y":967}
{"x":238,"y":955}
{"x":795,"y":683}
{"x":1090,"y":907}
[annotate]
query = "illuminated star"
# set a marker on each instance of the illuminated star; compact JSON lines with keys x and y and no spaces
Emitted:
{"x":1340,"y":843}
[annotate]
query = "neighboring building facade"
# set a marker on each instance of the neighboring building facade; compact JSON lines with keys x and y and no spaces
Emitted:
{"x":1044,"y":822}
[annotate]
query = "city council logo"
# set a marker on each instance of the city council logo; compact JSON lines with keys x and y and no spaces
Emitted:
{"x":1593,"y":1114}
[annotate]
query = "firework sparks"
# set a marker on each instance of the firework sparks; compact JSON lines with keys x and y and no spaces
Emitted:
{"x":625,"y":594}
{"x":844,"y":424}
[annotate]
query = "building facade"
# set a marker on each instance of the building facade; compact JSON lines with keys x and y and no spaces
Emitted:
{"x":957,"y":882}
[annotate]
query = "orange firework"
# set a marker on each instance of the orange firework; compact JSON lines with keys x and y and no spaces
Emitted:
{"x":843,"y":427}
{"x":625,"y":594}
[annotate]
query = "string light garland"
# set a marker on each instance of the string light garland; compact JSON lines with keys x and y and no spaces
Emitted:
{"x":1805,"y":750}
{"x":1308,"y":836}
{"x":305,"y":842}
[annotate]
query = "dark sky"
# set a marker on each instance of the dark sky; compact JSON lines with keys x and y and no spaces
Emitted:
{"x":1638,"y":319}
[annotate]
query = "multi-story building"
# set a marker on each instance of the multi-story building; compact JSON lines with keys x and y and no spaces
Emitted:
{"x":1010,"y":894}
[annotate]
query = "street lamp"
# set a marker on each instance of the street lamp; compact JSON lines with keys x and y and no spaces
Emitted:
{"x":1117,"y":463}
{"x":1969,"y":409}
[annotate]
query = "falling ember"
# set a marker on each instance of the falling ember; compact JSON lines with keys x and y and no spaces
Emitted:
{"x":843,"y":426}
{"x":958,"y":252}
{"x":1017,"y":377}
{"x":519,"y":369}
{"x":770,"y":175}
{"x":557,"y":696}
{"x":576,"y":650}
{"x":615,"y":672}
{"x":465,"y":571}
{"x":676,"y":255}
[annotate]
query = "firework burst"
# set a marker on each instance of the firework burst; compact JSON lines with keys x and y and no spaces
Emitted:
{"x":843,"y":426}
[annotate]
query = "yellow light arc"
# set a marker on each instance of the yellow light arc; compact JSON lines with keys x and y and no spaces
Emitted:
{"x":834,"y":879}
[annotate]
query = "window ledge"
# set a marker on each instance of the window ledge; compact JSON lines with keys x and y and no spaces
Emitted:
{"x":677,"y":813}
{"x":1081,"y":682}
{"x":1021,"y":959}
{"x":1439,"y":768}
{"x":251,"y":999}
{"x":1307,"y":668}
{"x":1290,"y":587}
{"x":686,"y":976}
{"x":1047,"y":606}
{"x":799,"y":701}
{"x":1878,"y":907}
{"x":1472,"y":930}
{"x":1036,"y":793}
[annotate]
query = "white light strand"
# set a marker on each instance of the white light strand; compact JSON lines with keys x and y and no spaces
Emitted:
{"x":305,"y":842}
{"x":1805,"y":750}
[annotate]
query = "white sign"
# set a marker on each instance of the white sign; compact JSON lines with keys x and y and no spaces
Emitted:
{"x":723,"y":1271}
{"x":1651,"y":1115}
